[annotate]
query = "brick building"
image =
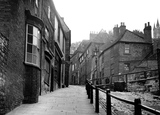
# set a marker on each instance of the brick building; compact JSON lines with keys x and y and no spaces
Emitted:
{"x":38,"y":51}
{"x":75,"y":63}
{"x":74,"y":68}
{"x":86,"y":68}
{"x":121,"y":55}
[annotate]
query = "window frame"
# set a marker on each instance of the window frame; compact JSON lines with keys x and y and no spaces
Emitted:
{"x":127,"y":49}
{"x":127,"y":65}
{"x":47,"y":71}
{"x":36,"y":54}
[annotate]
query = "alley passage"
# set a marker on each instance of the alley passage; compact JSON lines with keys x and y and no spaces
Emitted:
{"x":66,"y":101}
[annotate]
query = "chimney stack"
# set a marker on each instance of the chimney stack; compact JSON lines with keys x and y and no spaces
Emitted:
{"x":147,"y":33}
{"x":122,"y":28}
{"x":116,"y":31}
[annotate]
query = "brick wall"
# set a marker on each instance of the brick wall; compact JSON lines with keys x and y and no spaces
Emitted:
{"x":12,"y":26}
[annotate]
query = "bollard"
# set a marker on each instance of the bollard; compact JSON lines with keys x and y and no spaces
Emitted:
{"x":137,"y":107}
{"x":97,"y":100}
{"x":108,"y":102}
{"x":91,"y":95}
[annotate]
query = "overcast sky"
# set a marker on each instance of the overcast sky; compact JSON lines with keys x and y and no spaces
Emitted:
{"x":84,"y":16}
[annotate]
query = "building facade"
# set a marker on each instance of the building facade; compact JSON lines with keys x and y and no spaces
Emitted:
{"x":123,"y":54}
{"x":38,"y":41}
{"x":74,"y":68}
{"x":75,"y":63}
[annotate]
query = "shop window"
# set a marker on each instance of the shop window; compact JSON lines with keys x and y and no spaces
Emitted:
{"x":32,"y":45}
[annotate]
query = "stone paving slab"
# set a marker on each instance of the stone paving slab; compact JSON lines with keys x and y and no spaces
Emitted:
{"x":66,"y":101}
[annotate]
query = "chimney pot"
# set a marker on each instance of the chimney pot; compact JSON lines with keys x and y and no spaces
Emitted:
{"x":148,"y":24}
{"x":145,"y":25}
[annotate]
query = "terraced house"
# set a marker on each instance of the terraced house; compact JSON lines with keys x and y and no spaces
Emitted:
{"x":35,"y":46}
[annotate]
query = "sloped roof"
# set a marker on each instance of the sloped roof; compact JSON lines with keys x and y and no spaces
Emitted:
{"x":132,"y":37}
{"x":101,"y":37}
{"x":83,"y":45}
{"x":127,"y":36}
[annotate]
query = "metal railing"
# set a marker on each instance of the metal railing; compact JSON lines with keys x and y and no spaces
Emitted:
{"x":138,"y":107}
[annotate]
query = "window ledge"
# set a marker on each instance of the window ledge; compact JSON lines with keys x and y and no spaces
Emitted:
{"x":33,"y":65}
{"x":127,"y":53}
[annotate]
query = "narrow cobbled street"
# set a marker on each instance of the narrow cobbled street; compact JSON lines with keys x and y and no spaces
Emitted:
{"x":66,"y":101}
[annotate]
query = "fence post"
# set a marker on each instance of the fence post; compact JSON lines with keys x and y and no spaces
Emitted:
{"x":108,"y":102}
{"x":87,"y":87}
{"x":158,"y":61}
{"x":97,"y":100}
{"x":89,"y":91}
{"x":137,"y":107}
{"x":91,"y":95}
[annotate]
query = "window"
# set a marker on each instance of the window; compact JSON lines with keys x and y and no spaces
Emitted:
{"x":36,"y":1}
{"x":49,"y":12}
{"x":36,"y":7}
{"x":47,"y":71}
{"x":126,"y":49}
{"x":112,"y":68}
{"x":102,"y":58}
{"x":112,"y":71}
{"x":102,"y":72}
{"x":87,"y":52}
{"x":32,"y":45}
{"x":46,"y":34}
{"x":126,"y":66}
{"x":63,"y":46}
{"x":73,"y":67}
{"x":107,"y":80}
{"x":59,"y":32}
